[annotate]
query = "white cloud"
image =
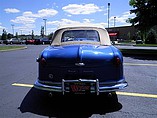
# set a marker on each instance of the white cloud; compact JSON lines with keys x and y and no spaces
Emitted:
{"x":26,"y":27}
{"x":103,"y":24}
{"x":28,"y":18}
{"x":47,"y":13}
{"x":24,"y":20}
{"x":1,"y":27}
{"x":88,"y":20}
{"x":50,"y":30}
{"x":122,"y":19}
{"x":69,"y":15}
{"x":29,"y":14}
{"x":41,"y":13}
{"x":11,"y":10}
{"x":76,"y":9}
{"x":62,"y":22}
{"x":68,"y":21}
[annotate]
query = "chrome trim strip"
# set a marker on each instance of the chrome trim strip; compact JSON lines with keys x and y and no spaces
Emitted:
{"x":79,"y":64}
{"x":99,"y":87}
{"x":41,"y":86}
{"x":63,"y":89}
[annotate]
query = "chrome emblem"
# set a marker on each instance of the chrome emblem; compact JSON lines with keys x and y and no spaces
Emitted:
{"x":79,"y":64}
{"x":51,"y":76}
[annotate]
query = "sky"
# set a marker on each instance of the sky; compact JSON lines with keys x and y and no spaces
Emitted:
{"x":23,"y":16}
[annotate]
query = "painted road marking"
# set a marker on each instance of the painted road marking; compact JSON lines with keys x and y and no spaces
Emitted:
{"x":137,"y":94}
{"x":134,"y":64}
{"x":22,"y":85}
{"x":118,"y":93}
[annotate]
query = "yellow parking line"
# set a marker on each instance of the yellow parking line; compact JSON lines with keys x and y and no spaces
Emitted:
{"x":137,"y":94}
{"x":118,"y":93}
{"x":22,"y":85}
{"x":136,"y":64}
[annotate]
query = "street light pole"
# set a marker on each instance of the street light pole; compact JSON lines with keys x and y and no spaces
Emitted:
{"x":12,"y":28}
{"x":108,"y":13}
{"x":45,"y":26}
{"x":114,"y":22}
{"x":21,"y":32}
{"x":115,"y":28}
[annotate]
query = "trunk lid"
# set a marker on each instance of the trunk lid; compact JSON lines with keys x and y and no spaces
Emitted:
{"x":79,"y":55}
{"x":80,"y":62}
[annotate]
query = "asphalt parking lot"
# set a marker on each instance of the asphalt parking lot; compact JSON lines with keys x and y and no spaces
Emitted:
{"x":18,"y":98}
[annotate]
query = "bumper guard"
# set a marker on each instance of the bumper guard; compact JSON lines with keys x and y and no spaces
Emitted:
{"x":61,"y":87}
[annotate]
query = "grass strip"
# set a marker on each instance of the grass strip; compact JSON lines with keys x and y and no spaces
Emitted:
{"x":9,"y":48}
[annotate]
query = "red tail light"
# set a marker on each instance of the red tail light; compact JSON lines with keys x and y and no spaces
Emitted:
{"x":117,"y":61}
{"x":42,"y":61}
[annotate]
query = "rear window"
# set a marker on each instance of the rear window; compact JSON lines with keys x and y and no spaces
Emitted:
{"x":80,"y":35}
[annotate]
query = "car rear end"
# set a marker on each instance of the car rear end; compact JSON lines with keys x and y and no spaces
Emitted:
{"x":80,"y":61}
{"x":97,"y":71}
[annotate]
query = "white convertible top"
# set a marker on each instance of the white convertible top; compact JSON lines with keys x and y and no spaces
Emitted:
{"x":103,"y":34}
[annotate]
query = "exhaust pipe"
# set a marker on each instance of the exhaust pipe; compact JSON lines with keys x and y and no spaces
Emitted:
{"x":110,"y":95}
{"x":50,"y":94}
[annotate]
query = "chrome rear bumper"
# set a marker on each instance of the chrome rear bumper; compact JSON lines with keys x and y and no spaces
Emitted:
{"x":100,"y":88}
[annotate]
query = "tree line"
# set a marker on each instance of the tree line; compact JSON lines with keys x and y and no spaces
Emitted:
{"x":145,"y":19}
{"x":6,"y":35}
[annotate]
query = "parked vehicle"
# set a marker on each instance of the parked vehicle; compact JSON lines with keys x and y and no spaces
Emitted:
{"x":37,"y":41}
{"x":42,"y":41}
{"x":5,"y":41}
{"x":13,"y":41}
{"x":29,"y":41}
{"x":1,"y":41}
{"x":81,"y":60}
{"x":139,"y":41}
{"x":45,"y":41}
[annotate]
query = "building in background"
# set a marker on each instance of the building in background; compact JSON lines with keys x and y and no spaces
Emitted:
{"x":122,"y":33}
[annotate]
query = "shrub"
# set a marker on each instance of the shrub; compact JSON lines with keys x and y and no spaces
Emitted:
{"x":151,"y":37}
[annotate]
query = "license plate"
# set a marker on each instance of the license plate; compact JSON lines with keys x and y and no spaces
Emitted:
{"x":80,"y":88}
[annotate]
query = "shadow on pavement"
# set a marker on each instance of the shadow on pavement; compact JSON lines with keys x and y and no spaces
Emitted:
{"x":38,"y":102}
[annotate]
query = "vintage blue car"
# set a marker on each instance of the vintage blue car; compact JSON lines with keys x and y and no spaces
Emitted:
{"x":80,"y":60}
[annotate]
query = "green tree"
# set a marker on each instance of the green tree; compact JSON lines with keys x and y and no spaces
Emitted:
{"x":32,"y":34}
{"x":4,"y":35}
{"x":152,"y":36}
{"x":17,"y":36}
{"x":42,"y":31}
{"x":50,"y":36}
{"x":146,"y":15}
{"x":9,"y":36}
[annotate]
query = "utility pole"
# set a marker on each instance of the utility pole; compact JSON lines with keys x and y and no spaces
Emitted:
{"x":115,"y":28}
{"x":114,"y":22}
{"x":45,"y":26}
{"x":21,"y":32}
{"x":12,"y":25}
{"x":108,"y":14}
